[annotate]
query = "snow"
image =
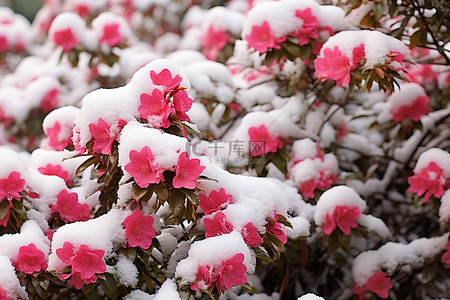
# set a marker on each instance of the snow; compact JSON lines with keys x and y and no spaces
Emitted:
{"x":168,"y":290}
{"x":223,"y":19}
{"x":9,"y":281}
{"x":310,"y":297}
{"x":391,"y":255}
{"x":126,"y":271}
{"x":103,"y":233}
{"x":437,"y":155}
{"x":139,"y":295}
{"x":444,"y":209}
{"x":406,"y":95}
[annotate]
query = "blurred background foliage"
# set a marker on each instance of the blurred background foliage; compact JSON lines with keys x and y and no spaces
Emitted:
{"x":28,"y":8}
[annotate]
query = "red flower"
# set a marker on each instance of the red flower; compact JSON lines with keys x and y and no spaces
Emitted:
{"x":111,"y":35}
{"x":217,"y":225}
{"x":141,"y":167}
{"x":4,"y":45}
{"x":66,"y":253}
{"x":262,"y":142}
{"x":333,"y":65}
{"x":358,"y":55}
{"x":261,"y":38}
{"x":68,"y":208}
{"x":380,"y":284}
{"x":3,"y":295}
{"x":139,"y":230}
{"x":251,"y":235}
{"x":102,"y":137}
{"x":430,"y":180}
{"x":215,"y":201}
{"x":56,"y":170}
{"x":50,"y":100}
{"x":164,"y":78}
{"x":88,"y":262}
{"x":344,"y":217}
{"x":30,"y":259}
{"x":11,"y":187}
{"x":182,"y":103}
{"x":232,"y":272}
{"x":204,"y":279}
{"x":66,"y":39}
{"x":53,"y":137}
{"x":155,"y":109}
{"x":187,"y":172}
{"x":309,"y":27}
{"x":413,"y":111}
{"x":275,"y":228}
{"x":213,"y":41}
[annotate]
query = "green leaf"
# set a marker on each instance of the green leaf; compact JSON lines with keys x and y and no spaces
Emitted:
{"x":378,"y":9}
{"x":90,"y":161}
{"x":270,"y":57}
{"x":87,"y":288}
{"x":249,"y":287}
{"x":162,"y":192}
{"x":280,"y":162}
{"x":333,"y":242}
{"x":109,"y":285}
{"x":284,"y":221}
{"x":177,"y":202}
{"x":262,"y":254}
{"x":4,"y":208}
{"x":192,"y":196}
{"x":345,"y":241}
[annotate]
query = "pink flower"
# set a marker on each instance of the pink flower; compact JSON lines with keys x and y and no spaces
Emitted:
{"x":141,"y":167}
{"x":3,"y":295}
{"x":182,"y":103}
{"x":155,"y":109}
{"x":262,"y":142}
{"x":358,"y":55}
{"x":111,"y":35}
{"x":4,"y":45}
{"x":30,"y":259}
{"x":232,"y":272}
{"x":261,"y":38}
{"x":274,"y":228}
{"x":380,"y":284}
{"x":217,"y":225}
{"x":83,"y":10}
{"x":88,"y":262}
{"x":333,"y":65}
{"x":344,"y":217}
{"x":11,"y":187}
{"x":68,"y":207}
{"x":213,"y":41}
{"x":102,"y":137}
{"x":50,"y":100}
{"x":251,"y":235}
{"x":53,"y":137}
{"x":309,"y":27}
{"x":430,"y":180}
{"x":56,"y":170}
{"x":164,"y":78}
{"x":446,"y":255}
{"x":66,"y":253}
{"x":204,"y":279}
{"x":139,"y":230}
{"x":414,"y":111}
{"x":66,"y":39}
{"x":215,"y":201}
{"x":187,"y":172}
{"x":307,"y":188}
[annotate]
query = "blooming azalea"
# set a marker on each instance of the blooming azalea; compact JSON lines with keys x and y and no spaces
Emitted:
{"x":343,"y":217}
{"x":213,"y":41}
{"x":111,"y":35}
{"x":11,"y":187}
{"x":262,"y":142}
{"x":142,"y":169}
{"x":215,"y":201}
{"x":187,"y":172}
{"x":262,"y":38}
{"x":139,"y":230}
{"x":182,"y":103}
{"x":102,"y":137}
{"x":68,"y":207}
{"x":56,"y":170}
{"x":251,"y":235}
{"x":66,"y":253}
{"x":333,"y":65}
{"x":88,"y":262}
{"x":155,"y":109}
{"x":164,"y":78}
{"x":380,"y":284}
{"x":217,"y":225}
{"x":204,"y":279}
{"x":309,"y":26}
{"x":414,"y":111}
{"x":50,"y":100}
{"x":358,"y":55}
{"x":30,"y":259}
{"x":275,"y":228}
{"x":429,"y":181}
{"x":53,"y":137}
{"x":232,"y":272}
{"x":66,"y":39}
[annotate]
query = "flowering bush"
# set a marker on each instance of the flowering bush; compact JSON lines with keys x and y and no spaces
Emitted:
{"x":225,"y":150}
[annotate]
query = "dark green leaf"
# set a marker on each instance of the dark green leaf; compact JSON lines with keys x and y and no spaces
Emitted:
{"x":4,"y":208}
{"x":333,"y":242}
{"x":109,"y":285}
{"x":177,"y":202}
{"x":378,"y":9}
{"x":90,"y":161}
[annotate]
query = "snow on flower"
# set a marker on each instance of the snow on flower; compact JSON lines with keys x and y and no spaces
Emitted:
{"x":11,"y":186}
{"x":68,"y":207}
{"x":217,"y":225}
{"x":57,"y":126}
{"x":111,"y":29}
{"x":10,"y":287}
{"x":139,"y":230}
{"x":30,"y":259}
{"x":410,"y":102}
{"x":431,"y":174}
{"x":333,"y":65}
{"x":215,"y":201}
{"x":213,"y":42}
{"x":343,"y":217}
{"x":155,"y":109}
{"x":262,"y":142}
{"x":261,"y":38}
{"x":67,"y":30}
{"x":379,"y":283}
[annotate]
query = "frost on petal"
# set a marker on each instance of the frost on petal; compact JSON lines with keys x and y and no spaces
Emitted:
{"x":139,"y":230}
{"x":187,"y":172}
